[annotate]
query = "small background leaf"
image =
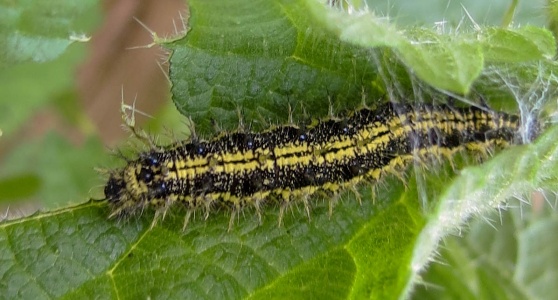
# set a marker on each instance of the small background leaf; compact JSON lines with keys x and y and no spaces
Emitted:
{"x":523,"y":44}
{"x":440,"y":58}
{"x":514,"y":174}
{"x":442,"y":61}
{"x":61,"y":179}
{"x":38,"y":31}
{"x":503,"y":256}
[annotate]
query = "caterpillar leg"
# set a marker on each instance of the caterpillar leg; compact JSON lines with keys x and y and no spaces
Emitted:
{"x":187,"y":219}
{"x":207,"y":204}
{"x":357,"y":194}
{"x":333,"y":199}
{"x":305,"y":200}
{"x":257,"y":206}
{"x":161,"y":213}
{"x":234,"y":212}
{"x":282,"y":210}
{"x":158,"y":216}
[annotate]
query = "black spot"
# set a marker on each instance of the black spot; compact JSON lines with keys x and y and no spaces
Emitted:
{"x":353,"y":169}
{"x":236,"y":186}
{"x":207,"y":184}
{"x":249,"y":142}
{"x":435,"y":137}
{"x":456,"y":138}
{"x":151,"y":160}
{"x":481,"y":136}
{"x":309,"y":177}
{"x":145,"y":175}
{"x":189,"y":149}
{"x":256,"y":183}
{"x":201,"y":149}
{"x":113,"y":189}
{"x":159,"y":190}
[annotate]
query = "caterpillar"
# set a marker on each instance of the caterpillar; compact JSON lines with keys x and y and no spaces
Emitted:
{"x":289,"y":163}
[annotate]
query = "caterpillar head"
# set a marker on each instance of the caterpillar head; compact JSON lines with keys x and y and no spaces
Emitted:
{"x":136,"y":186}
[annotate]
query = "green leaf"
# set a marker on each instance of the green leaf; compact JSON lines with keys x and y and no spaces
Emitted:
{"x":460,"y":14}
{"x":103,"y":256}
{"x":514,"y":173}
{"x":442,"y":61}
{"x":505,"y":256}
{"x":367,"y":250}
{"x":552,"y":16}
{"x":445,"y":61}
{"x":264,"y":58}
{"x":517,"y":45}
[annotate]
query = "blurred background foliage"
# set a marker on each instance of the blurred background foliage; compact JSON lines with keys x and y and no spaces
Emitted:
{"x":60,"y":117}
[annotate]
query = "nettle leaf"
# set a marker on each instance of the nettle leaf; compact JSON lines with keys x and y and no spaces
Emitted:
{"x":373,"y":249}
{"x":517,"y":45}
{"x":510,"y":176}
{"x":505,"y":256}
{"x":77,"y":252}
{"x":262,"y":58}
{"x":447,"y":61}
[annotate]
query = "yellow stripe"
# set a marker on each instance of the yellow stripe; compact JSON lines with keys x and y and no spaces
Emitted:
{"x":303,"y":153}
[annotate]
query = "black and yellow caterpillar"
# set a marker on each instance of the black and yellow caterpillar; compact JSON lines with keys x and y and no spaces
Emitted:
{"x":290,"y":163}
